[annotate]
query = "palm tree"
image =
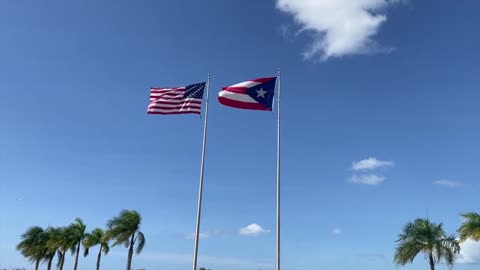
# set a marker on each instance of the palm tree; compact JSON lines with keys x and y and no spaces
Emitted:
{"x":96,"y":237}
{"x":62,"y":239}
{"x":423,"y":236}
{"x":33,"y":245}
{"x":470,"y":227}
{"x":50,"y":251}
{"x":125,"y":230}
{"x":77,"y":229}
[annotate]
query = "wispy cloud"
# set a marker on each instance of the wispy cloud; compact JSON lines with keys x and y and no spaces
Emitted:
{"x":253,"y":230}
{"x":337,"y":231}
{"x":371,"y":164}
{"x":447,"y":183}
{"x":367,"y":179}
{"x":339,"y":27}
{"x":204,"y":235}
{"x":469,"y":252}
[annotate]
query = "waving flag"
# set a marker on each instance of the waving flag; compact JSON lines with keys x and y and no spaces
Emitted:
{"x":180,"y":100}
{"x":251,"y":95}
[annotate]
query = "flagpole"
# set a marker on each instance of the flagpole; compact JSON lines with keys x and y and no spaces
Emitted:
{"x":200,"y":189}
{"x":278,"y":175}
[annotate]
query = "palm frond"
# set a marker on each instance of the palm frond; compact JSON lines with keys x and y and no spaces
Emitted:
{"x":105,"y":248}
{"x":423,"y":236}
{"x":122,"y":227}
{"x":140,"y":243}
{"x":470,"y":228}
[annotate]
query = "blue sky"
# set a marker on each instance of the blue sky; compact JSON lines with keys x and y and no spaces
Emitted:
{"x":402,"y":89}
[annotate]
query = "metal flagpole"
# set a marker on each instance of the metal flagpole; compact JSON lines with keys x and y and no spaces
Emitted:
{"x":278,"y":174}
{"x":200,"y":189}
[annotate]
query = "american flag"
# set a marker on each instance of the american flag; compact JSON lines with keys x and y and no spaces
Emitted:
{"x":180,"y":100}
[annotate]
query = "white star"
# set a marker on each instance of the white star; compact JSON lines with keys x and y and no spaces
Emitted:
{"x":261,"y":93}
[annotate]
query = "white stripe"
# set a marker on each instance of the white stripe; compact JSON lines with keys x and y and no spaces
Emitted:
{"x":174,"y":105}
{"x":173,"y":100}
{"x":168,"y":89}
{"x":236,"y":96}
{"x":247,"y":84}
{"x":175,"y":110}
{"x":167,"y":93}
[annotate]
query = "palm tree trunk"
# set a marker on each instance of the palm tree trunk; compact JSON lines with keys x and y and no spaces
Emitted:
{"x":75,"y":265}
{"x":50,"y":260}
{"x":130,"y":253}
{"x":62,"y":260}
{"x":37,"y":264}
{"x":99,"y":257}
{"x":431,"y":261}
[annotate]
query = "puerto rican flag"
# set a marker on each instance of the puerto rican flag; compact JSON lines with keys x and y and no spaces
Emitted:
{"x":251,"y":95}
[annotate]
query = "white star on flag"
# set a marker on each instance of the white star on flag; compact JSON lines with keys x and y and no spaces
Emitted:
{"x":261,"y":93}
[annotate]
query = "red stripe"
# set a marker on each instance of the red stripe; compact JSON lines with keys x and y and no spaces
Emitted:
{"x":173,"y":112}
{"x":166,"y":98}
{"x":262,"y":80}
{"x":182,"y":106}
{"x":160,"y":101}
{"x":164,"y":90}
{"x":243,"y":105}
{"x":168,"y":95}
{"x":240,"y":90}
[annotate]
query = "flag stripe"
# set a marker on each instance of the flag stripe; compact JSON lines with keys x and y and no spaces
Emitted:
{"x":185,"y":105}
{"x":262,"y":80}
{"x":242,"y":105}
{"x":168,"y":101}
{"x":240,"y":90}
{"x":179,"y":100}
{"x":167,"y":93}
{"x":166,"y":97}
{"x":163,"y":90}
{"x":173,"y":113}
{"x":246,"y":84}
{"x":236,"y":96}
{"x":182,"y":110}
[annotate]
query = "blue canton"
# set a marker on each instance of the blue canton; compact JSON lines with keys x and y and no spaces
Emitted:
{"x":267,"y":98}
{"x":194,"y":91}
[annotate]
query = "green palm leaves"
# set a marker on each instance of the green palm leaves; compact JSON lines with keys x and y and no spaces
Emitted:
{"x":33,"y":245}
{"x":78,"y":233}
{"x":470,"y":229}
{"x":96,"y":237}
{"x":423,"y":236}
{"x":124,"y":229}
{"x":42,"y":245}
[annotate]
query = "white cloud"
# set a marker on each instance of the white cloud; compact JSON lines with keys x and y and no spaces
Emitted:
{"x":370,"y":164}
{"x":337,"y":231}
{"x":367,"y":179}
{"x":253,"y":230}
{"x":447,"y":183}
{"x":340,"y":27}
{"x":469,"y":253}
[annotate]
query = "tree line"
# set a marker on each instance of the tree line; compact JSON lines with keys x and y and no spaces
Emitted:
{"x":41,"y":245}
{"x":430,"y":239}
